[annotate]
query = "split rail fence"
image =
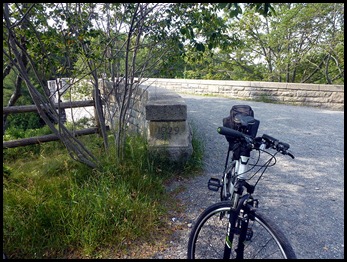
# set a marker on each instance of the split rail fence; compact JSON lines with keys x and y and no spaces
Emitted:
{"x":51,"y":137}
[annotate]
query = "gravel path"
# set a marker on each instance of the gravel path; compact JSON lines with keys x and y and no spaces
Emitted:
{"x":305,"y":195}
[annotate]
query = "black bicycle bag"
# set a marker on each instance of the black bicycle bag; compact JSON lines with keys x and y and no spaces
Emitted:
{"x":237,"y":118}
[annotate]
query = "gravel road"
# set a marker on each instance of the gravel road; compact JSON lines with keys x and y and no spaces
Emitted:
{"x":305,"y":195}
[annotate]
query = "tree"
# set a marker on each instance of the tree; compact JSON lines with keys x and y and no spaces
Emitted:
{"x":301,"y":43}
{"x":13,"y":52}
{"x":124,"y":41}
{"x":18,"y":85}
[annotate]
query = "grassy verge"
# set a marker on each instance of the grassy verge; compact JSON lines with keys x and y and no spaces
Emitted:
{"x":55,"y":207}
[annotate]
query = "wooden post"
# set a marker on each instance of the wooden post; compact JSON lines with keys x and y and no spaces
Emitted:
{"x":45,"y":138}
{"x":51,"y":137}
{"x":32,"y":108}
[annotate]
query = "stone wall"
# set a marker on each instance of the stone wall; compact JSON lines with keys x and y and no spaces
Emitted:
{"x":315,"y":95}
{"x":160,"y":115}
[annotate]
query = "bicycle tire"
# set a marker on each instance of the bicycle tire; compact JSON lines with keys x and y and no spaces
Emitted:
{"x":207,"y":238}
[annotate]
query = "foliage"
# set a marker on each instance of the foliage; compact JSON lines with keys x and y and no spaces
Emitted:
{"x":291,"y":42}
{"x":25,"y":121}
{"x":30,"y":151}
{"x":118,"y":40}
{"x":299,"y":44}
{"x":55,"y":207}
{"x":21,"y":121}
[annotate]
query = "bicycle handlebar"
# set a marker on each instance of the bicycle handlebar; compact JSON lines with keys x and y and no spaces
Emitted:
{"x":268,"y":141}
{"x":234,"y":133}
{"x":276,"y":144}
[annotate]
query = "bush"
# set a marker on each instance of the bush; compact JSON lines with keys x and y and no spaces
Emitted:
{"x":55,"y":207}
{"x":24,"y":121}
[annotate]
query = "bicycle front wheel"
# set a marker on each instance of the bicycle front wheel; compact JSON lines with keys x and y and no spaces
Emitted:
{"x":264,"y":240}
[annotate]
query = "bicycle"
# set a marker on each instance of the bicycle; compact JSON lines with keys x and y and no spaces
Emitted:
{"x":234,"y":227}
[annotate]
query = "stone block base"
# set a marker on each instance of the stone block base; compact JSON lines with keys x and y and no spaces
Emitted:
{"x":174,"y":139}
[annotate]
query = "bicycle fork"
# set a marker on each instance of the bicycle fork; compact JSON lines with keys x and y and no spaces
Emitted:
{"x":238,"y":225}
{"x":230,"y":235}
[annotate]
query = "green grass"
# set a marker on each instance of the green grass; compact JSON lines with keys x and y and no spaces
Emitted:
{"x":55,"y":207}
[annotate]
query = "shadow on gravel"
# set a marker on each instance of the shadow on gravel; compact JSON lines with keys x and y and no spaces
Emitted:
{"x":305,"y":195}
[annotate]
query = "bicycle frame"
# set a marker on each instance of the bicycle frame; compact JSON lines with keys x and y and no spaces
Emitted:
{"x":241,"y":204}
{"x":239,"y":162}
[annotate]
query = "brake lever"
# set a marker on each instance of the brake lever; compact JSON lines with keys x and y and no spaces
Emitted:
{"x":285,"y":152}
{"x":290,"y":154}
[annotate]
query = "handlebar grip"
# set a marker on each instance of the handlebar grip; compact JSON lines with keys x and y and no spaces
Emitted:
{"x":273,"y":141}
{"x":276,"y":144}
{"x":229,"y":132}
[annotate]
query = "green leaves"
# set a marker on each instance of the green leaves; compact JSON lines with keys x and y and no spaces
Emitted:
{"x":263,"y":8}
{"x":200,"y":47}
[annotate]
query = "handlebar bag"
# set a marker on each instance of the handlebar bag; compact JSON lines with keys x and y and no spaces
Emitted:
{"x":233,"y":121}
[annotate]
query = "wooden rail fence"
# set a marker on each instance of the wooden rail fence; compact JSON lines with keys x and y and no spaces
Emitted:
{"x":46,"y":138}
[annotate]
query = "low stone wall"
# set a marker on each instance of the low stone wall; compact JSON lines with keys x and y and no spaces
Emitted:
{"x":315,"y":95}
{"x":168,"y":129}
{"x":160,"y":115}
